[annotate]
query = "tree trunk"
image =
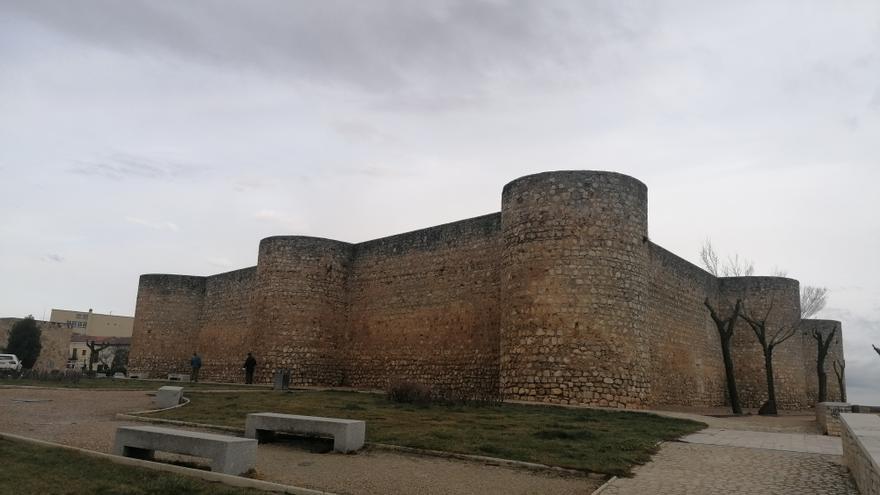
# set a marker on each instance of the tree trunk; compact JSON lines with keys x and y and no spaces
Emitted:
{"x":823,"y":386}
{"x":731,"y":380}
{"x":770,"y":407}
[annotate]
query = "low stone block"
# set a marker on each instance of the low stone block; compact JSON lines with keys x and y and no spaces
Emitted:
{"x":860,"y":435}
{"x":348,"y":434}
{"x":828,"y":416}
{"x":168,"y":397}
{"x":229,"y":455}
{"x":178,"y":377}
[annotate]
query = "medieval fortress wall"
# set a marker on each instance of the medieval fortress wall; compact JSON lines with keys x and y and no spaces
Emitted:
{"x":559,"y":298}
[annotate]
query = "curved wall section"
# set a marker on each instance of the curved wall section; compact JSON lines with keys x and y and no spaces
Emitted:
{"x":300,"y":308}
{"x":573,"y":289}
{"x":778,"y":300}
{"x":811,"y":354}
{"x":166,"y":325}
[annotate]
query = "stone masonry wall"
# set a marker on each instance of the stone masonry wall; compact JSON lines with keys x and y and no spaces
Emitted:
{"x":574,"y":289}
{"x":685,"y":346}
{"x":811,"y":352}
{"x":166,"y":324}
{"x":778,"y":300}
{"x":558,"y":298}
{"x":444,"y":332}
{"x":301,"y":308}
{"x":225,"y":323}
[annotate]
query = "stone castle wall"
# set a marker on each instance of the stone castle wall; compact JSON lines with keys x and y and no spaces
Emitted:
{"x":685,"y":346}
{"x":810,"y":350}
{"x":558,"y":298}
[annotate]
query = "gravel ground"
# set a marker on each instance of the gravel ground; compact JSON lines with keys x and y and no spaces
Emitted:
{"x":86,"y":419}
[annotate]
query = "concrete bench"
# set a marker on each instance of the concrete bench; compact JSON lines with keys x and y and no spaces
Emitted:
{"x":178,"y":377}
{"x":168,"y":396}
{"x":348,"y":434}
{"x":229,"y":455}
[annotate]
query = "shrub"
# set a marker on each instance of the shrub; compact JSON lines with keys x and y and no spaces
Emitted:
{"x":409,"y":393}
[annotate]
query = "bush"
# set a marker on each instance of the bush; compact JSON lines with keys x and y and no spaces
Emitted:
{"x":24,"y":341}
{"x":409,"y":393}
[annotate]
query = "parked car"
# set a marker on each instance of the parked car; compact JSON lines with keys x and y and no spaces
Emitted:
{"x":9,"y":364}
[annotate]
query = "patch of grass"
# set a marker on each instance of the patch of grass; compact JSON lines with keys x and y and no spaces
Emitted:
{"x":31,"y":468}
{"x":601,"y":441}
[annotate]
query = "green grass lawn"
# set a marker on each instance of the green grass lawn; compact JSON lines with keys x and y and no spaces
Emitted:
{"x":113,"y":383}
{"x":599,"y":441}
{"x":28,"y":468}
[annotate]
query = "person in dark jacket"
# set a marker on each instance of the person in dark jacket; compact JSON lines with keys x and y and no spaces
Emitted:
{"x":196,"y":364}
{"x":249,"y":364}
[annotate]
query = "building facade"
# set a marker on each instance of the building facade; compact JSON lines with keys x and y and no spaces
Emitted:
{"x":94,"y":324}
{"x":560,"y":297}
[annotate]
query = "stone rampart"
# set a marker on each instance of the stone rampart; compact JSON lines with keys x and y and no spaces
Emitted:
{"x":444,"y":332}
{"x":811,"y":352}
{"x":776,"y":300}
{"x":558,"y":298}
{"x":685,"y":346}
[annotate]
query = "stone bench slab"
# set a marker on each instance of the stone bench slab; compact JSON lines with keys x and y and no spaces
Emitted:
{"x":168,"y":396}
{"x":229,"y":455}
{"x":348,"y":434}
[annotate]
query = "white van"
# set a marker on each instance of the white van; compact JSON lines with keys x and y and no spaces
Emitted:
{"x":9,"y":363}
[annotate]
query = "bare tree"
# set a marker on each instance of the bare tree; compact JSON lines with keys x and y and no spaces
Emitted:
{"x":813,"y":300}
{"x":769,"y":341}
{"x":822,"y":347}
{"x":734,"y":266}
{"x":709,"y":258}
{"x":95,"y":352}
{"x":725,"y":328}
{"x":839,"y":368}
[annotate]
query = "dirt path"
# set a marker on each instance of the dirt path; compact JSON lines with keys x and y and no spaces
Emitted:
{"x":86,"y":419}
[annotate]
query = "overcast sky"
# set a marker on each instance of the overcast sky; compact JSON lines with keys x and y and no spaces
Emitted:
{"x":165,"y":136}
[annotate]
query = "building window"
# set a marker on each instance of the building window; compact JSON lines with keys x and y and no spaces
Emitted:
{"x":84,"y":352}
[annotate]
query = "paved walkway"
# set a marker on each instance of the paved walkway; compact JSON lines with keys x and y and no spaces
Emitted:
{"x":790,"y":442}
{"x":742,"y":462}
{"x":698,"y":469}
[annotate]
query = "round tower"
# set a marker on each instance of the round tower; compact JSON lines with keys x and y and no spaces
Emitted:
{"x":776,"y":300}
{"x":574,"y":289}
{"x":300,"y":308}
{"x":166,"y":323}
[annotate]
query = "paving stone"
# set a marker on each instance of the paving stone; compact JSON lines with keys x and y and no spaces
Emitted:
{"x":699,"y":469}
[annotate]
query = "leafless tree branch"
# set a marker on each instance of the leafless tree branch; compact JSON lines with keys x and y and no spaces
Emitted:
{"x":813,"y":300}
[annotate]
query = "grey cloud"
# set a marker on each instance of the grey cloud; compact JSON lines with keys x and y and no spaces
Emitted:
{"x":382,"y":46}
{"x":53,"y":257}
{"x":119,"y":166}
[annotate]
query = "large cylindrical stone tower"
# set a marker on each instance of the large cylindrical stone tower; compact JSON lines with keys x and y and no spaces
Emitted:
{"x":574,"y":289}
{"x":778,"y":300}
{"x":300,"y":308}
{"x":166,"y":324}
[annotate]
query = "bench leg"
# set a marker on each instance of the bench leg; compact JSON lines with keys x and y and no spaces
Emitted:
{"x":137,"y":453}
{"x":236,"y":461}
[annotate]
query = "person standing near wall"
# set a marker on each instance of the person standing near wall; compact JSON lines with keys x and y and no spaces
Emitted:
{"x":195,"y":363}
{"x":249,"y":365}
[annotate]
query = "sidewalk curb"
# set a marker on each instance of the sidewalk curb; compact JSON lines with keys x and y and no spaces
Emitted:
{"x":604,"y":486}
{"x":226,"y":479}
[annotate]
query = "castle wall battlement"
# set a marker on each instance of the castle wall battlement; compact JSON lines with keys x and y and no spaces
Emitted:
{"x":558,"y":298}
